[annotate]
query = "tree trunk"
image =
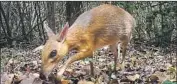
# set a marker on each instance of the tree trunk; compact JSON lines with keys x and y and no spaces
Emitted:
{"x":9,"y":37}
{"x":73,"y":10}
{"x":51,"y":15}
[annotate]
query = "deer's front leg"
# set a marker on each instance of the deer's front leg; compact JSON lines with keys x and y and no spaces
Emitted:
{"x":80,"y":55}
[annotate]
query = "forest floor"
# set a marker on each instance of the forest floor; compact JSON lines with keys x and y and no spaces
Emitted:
{"x":143,"y":65}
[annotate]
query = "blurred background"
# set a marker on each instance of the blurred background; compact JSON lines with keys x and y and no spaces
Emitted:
{"x":21,"y":23}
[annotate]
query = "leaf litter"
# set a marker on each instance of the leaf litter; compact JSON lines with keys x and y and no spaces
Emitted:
{"x":141,"y":66}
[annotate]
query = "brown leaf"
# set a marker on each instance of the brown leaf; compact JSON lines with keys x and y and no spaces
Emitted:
{"x":65,"y":81}
{"x":134,"y":77}
{"x":85,"y":82}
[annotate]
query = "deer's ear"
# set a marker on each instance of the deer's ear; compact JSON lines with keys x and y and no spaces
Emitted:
{"x":50,"y":33}
{"x":63,"y":32}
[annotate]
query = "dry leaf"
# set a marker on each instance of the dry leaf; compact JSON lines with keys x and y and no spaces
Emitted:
{"x":7,"y":78}
{"x":134,"y":77}
{"x":63,"y":81}
{"x":85,"y":82}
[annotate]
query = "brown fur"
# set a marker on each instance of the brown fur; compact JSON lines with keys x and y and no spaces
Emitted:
{"x":108,"y":25}
{"x":98,"y":27}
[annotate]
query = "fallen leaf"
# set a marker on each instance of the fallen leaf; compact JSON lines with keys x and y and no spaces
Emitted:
{"x":63,"y":81}
{"x":134,"y":77}
{"x":85,"y":82}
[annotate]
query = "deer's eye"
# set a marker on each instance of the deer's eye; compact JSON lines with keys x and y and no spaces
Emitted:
{"x":53,"y":54}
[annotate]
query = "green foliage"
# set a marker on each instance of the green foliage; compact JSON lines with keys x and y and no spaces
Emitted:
{"x":169,"y":82}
